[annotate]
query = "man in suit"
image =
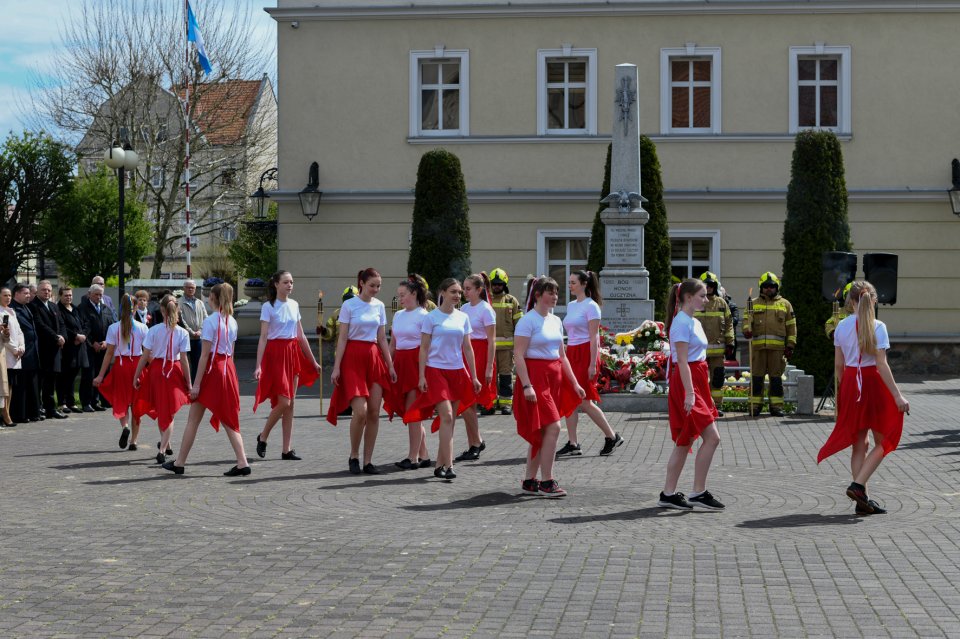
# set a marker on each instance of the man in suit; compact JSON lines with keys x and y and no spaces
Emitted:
{"x":51,"y":335}
{"x":192,"y":313}
{"x":25,"y":402}
{"x":97,"y":318}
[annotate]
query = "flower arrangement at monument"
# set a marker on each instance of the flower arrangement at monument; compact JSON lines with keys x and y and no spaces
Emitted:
{"x":634,"y":361}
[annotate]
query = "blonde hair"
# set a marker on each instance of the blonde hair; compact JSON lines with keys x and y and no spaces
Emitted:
{"x":224,"y":294}
{"x":861,"y":292}
{"x":171,"y":314}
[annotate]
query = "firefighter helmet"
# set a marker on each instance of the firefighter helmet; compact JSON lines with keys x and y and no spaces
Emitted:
{"x":710,"y":279}
{"x":846,"y":291}
{"x":499,"y":276}
{"x":769,"y":278}
{"x":349,"y":292}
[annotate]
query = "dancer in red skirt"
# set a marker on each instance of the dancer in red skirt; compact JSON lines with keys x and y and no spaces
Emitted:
{"x":405,"y":353}
{"x":692,"y":411}
{"x":166,"y":383}
{"x":284,"y":362}
{"x":869,"y":398}
{"x":582,"y":324}
{"x":363,"y":369}
{"x":547,"y":391}
{"x":216,"y":385}
{"x":446,"y":384}
{"x":124,"y":347}
{"x":483,"y":336}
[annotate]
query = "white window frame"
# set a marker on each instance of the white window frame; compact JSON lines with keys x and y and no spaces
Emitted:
{"x":157,"y":177}
{"x":666,"y":92}
{"x":590,"y":116}
{"x":713,"y":235}
{"x":542,"y":256}
{"x":844,"y":90}
{"x":416,"y":57}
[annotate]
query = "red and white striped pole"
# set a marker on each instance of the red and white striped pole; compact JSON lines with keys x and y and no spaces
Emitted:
{"x":186,"y":128}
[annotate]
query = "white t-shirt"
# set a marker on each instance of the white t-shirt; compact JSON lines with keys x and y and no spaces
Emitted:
{"x":481,"y":316}
{"x":363,"y":318}
{"x":406,"y":328}
{"x":577,"y":321}
{"x":161,"y":346}
{"x":688,"y":329}
{"x":283,"y":318}
{"x":446,"y":338}
{"x":133,"y":346}
{"x":545,"y":333}
{"x":221,"y":338}
{"x":846,"y":338}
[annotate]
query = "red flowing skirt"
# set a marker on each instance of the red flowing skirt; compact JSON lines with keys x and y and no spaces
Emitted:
{"x":686,"y":428}
{"x":488,"y":392}
{"x":556,"y":399}
{"x":875,"y":409}
{"x":161,"y":396}
{"x":407,"y":365}
{"x":220,"y":393}
{"x":579,"y":358}
{"x":442,"y":384}
{"x":283,"y":360}
{"x":117,"y":386}
{"x":362,"y":367}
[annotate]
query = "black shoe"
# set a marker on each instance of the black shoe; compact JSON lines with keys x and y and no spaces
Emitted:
{"x":471,"y":454}
{"x":425,"y":463}
{"x":449,"y":474}
{"x":859,"y":494}
{"x":483,"y":446}
{"x":370,"y":469}
{"x":776,"y":411}
{"x":169,"y":450}
{"x":74,"y":409}
{"x":354,"y":466}
{"x":55,"y":414}
{"x":487,"y":412}
{"x":261,"y":447}
{"x":132,"y":447}
{"x":177,"y":470}
{"x":124,"y":437}
{"x":609,"y":444}
{"x":406,"y":464}
{"x":530,"y":486}
{"x":291,"y":456}
{"x":755,"y":411}
{"x":551,"y":489}
{"x":10,"y":425}
{"x":570,"y":450}
{"x":40,"y":418}
{"x":161,"y":458}
{"x":98,"y":408}
{"x":877,"y":509}
{"x":87,"y":409}
{"x":506,"y":410}
{"x":706,"y":501}
{"x":105,"y":404}
{"x":238,"y":472}
{"x":675,"y":501}
{"x":440,"y":472}
{"x":719,"y":413}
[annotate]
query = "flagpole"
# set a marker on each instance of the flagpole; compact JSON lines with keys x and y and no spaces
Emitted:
{"x":186,"y":117}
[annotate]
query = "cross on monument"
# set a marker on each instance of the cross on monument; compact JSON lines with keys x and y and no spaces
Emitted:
{"x":623,"y":310}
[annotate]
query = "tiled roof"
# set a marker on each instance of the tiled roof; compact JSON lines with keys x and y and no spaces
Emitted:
{"x":223,"y":109}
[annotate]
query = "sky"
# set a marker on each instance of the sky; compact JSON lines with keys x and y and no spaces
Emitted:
{"x":30,"y":35}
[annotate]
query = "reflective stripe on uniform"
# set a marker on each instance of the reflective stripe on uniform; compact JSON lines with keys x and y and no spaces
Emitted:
{"x":770,"y":307}
{"x":716,"y":351}
{"x":518,"y":316}
{"x":709,"y":314}
{"x":504,"y":342}
{"x":501,"y":305}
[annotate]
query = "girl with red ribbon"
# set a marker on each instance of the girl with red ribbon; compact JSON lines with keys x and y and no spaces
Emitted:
{"x":483,"y":330}
{"x":869,"y":400}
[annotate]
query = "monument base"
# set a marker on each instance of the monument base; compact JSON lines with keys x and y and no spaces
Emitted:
{"x":621,"y":316}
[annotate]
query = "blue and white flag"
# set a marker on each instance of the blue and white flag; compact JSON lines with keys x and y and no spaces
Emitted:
{"x":194,"y":36}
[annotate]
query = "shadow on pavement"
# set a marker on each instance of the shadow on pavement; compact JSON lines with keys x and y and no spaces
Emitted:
{"x":477,"y":501}
{"x":935,"y":439}
{"x":160,"y":476}
{"x":76,"y":452}
{"x":370,"y":483}
{"x":625,"y":515}
{"x":800,"y":521}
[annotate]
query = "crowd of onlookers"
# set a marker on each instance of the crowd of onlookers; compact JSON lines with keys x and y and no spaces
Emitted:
{"x":48,"y":342}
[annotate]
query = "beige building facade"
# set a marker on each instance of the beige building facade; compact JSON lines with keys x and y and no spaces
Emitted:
{"x":523,"y":92}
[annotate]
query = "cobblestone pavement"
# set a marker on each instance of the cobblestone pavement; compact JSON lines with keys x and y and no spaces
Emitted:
{"x":95,"y":541}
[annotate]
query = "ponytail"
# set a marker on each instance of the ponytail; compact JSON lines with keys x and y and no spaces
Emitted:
{"x":538,"y":287}
{"x":415,"y":285}
{"x":273,"y":284}
{"x":444,"y":285}
{"x":170,"y":313}
{"x":530,"y":298}
{"x":224,"y":294}
{"x":866,"y":296}
{"x":591,"y":285}
{"x":678,"y":293}
{"x":480,"y":281}
{"x":365,"y":275}
{"x":126,"y":318}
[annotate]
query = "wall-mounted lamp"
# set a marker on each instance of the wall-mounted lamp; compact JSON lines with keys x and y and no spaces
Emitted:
{"x":955,"y":191}
{"x":311,"y":194}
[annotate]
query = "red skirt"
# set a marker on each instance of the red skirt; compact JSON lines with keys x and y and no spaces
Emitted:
{"x":117,"y":386}
{"x":579,"y":358}
{"x":283,"y":359}
{"x":685,"y":429}
{"x":160,"y":396}
{"x":220,"y":393}
{"x":407,"y":365}
{"x":556,"y":399}
{"x":362,"y":367}
{"x":442,"y":384}
{"x":875,"y":410}
{"x":488,"y":392}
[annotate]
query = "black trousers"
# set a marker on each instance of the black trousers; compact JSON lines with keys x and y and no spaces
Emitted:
{"x":48,"y":388}
{"x":88,"y":394}
{"x":66,"y":379}
{"x":24,"y":395}
{"x":194,"y":356}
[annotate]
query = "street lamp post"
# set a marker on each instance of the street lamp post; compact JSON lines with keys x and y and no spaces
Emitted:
{"x":122,"y":159}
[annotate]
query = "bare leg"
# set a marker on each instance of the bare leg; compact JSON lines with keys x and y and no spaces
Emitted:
{"x":414,"y":431}
{"x":287,"y":425}
{"x":572,"y":426}
{"x":372,"y":426}
{"x":595,"y":413}
{"x":237,"y":442}
{"x":276,"y":414}
{"x":533,"y":463}
{"x":860,"y":445}
{"x":135,"y":431}
{"x":711,"y":439}
{"x":190,"y":432}
{"x":165,"y":437}
{"x":472,"y":423}
{"x":674,"y":467}
{"x":872,"y":461}
{"x":358,"y":420}
{"x":548,"y":449}
{"x":445,"y":448}
{"x":424,"y":453}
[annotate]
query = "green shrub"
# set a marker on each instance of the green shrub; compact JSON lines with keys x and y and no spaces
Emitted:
{"x":254,"y":252}
{"x":596,"y":256}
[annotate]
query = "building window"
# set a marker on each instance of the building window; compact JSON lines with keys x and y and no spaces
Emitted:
{"x":567,"y":91}
{"x":820,"y":88}
{"x":692,"y":252}
{"x":439,"y":92}
{"x":559,"y":253}
{"x":690,"y":90}
{"x":156,"y":178}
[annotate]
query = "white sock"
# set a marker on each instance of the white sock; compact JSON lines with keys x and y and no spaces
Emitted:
{"x":693,"y":495}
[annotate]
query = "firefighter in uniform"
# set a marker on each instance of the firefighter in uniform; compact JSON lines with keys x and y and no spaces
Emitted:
{"x":771,"y":327}
{"x":717,"y":322}
{"x":846,"y":309}
{"x":508,"y":311}
{"x":330,"y":330}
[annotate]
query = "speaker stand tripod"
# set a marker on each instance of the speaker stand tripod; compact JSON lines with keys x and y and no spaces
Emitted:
{"x":827,"y":394}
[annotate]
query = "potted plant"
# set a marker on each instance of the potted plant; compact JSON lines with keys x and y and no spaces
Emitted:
{"x":255,"y":288}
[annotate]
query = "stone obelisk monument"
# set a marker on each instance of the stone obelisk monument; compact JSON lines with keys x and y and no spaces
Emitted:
{"x":624,"y":279}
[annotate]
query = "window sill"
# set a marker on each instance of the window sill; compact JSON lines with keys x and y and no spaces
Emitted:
{"x":605,"y":139}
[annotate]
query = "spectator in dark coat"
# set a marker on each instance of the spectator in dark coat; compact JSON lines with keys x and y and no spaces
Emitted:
{"x":25,"y":404}
{"x":142,"y":312}
{"x":52,"y":336}
{"x":73,"y":357}
{"x":96,"y":318}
